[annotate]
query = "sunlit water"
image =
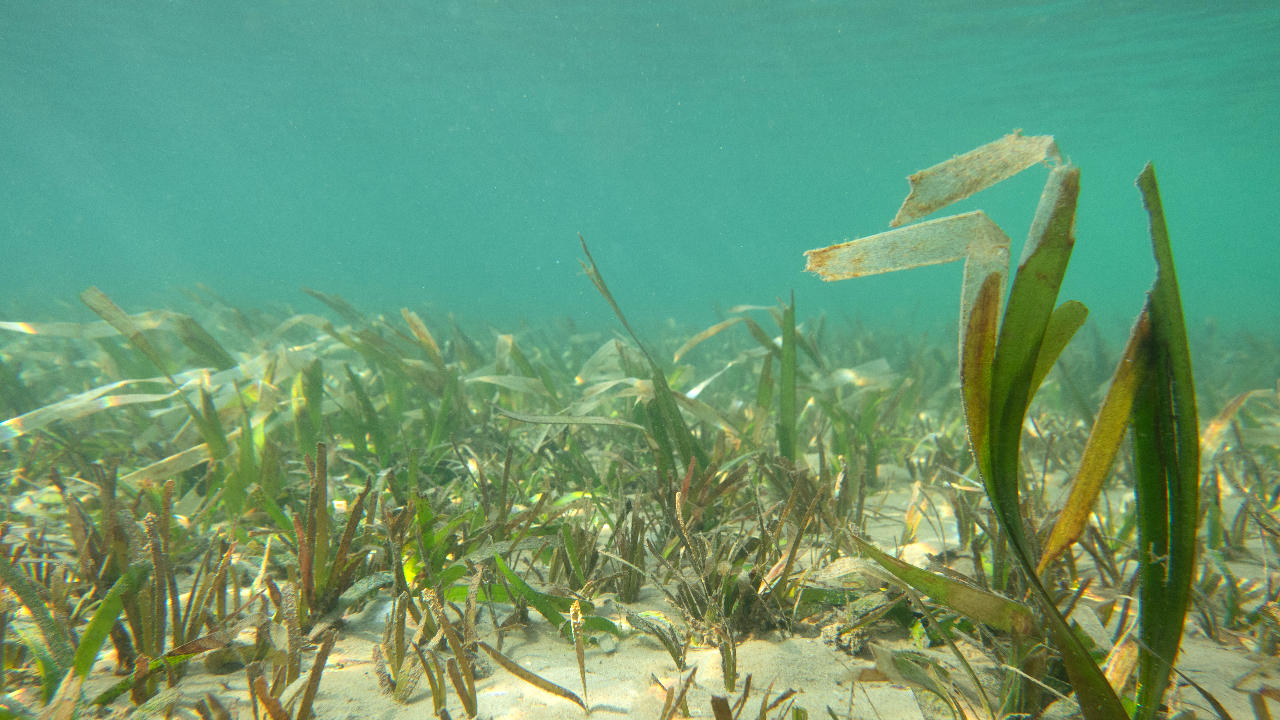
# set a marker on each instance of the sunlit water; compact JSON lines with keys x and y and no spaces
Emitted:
{"x":448,"y":153}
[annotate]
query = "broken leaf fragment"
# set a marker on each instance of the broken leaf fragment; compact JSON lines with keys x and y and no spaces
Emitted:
{"x":963,"y":175}
{"x":971,"y":237}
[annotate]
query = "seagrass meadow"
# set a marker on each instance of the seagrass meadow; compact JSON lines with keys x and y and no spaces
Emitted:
{"x":317,"y":510}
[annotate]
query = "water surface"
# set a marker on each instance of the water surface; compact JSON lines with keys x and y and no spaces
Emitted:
{"x":448,"y":153}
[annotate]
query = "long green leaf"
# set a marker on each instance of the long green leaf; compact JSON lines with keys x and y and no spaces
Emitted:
{"x":975,"y":367}
{"x":105,"y":617}
{"x":1167,"y":465}
{"x":237,"y":485}
{"x":688,"y":448}
{"x":338,"y":304}
{"x":440,"y":428}
{"x":206,"y":422}
{"x":540,"y":601}
{"x":372,"y":423}
{"x":998,"y":612}
{"x":763,"y":338}
{"x":307,"y":395}
{"x":705,"y":334}
{"x":550,"y":606}
{"x":210,"y":426}
{"x":566,"y":419}
{"x":171,"y":660}
{"x":273,"y":510}
{"x":55,"y":636}
{"x":205,"y":346}
{"x":98,"y":302}
{"x":1031,"y":303}
{"x":674,"y":421}
{"x":787,"y":385}
{"x":424,"y":338}
{"x":1027,"y":317}
{"x":1068,"y":318}
{"x":764,"y":391}
{"x":51,"y":673}
{"x":999,"y":373}
{"x":656,"y":426}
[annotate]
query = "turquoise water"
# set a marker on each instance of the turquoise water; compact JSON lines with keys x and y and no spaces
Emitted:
{"x":448,"y":153}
